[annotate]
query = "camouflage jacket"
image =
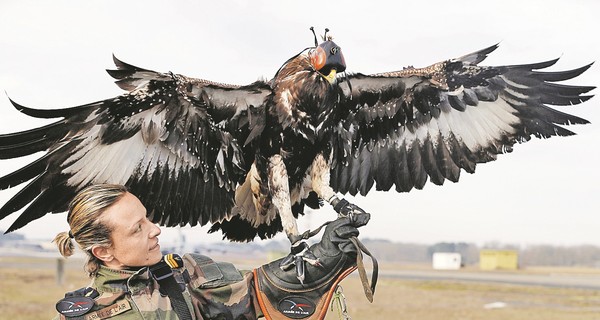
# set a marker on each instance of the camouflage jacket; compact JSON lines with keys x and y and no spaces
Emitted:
{"x":213,"y":291}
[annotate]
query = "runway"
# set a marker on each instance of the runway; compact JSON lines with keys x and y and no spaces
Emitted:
{"x":589,"y":281}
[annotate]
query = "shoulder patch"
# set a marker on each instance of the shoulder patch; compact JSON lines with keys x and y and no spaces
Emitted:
{"x":77,"y":303}
{"x":74,"y":306}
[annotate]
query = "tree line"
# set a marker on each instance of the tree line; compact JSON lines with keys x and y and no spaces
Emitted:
{"x":532,"y":255}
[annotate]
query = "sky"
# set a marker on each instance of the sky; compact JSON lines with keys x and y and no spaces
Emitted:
{"x":53,"y":55}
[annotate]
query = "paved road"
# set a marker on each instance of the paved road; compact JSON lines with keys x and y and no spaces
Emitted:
{"x":564,"y":280}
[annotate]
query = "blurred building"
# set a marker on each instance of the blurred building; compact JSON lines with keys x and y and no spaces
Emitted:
{"x":498,"y":259}
{"x":446,"y":260}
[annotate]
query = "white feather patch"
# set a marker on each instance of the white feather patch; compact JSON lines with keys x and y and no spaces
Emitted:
{"x":117,"y":162}
{"x":102,"y":163}
{"x":477,"y":127}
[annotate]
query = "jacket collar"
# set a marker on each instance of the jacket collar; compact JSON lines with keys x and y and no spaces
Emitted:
{"x":112,"y":284}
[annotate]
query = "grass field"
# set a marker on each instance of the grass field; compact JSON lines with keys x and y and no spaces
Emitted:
{"x":28,"y":290}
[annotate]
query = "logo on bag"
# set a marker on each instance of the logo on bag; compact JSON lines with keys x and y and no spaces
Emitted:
{"x":74,"y":306}
{"x":296,"y":307}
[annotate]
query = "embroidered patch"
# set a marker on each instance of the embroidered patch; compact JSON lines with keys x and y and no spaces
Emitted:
{"x":296,"y":307}
{"x":110,"y":311}
{"x":74,"y":306}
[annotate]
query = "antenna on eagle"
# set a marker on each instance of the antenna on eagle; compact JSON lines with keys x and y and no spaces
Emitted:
{"x":314,"y":34}
{"x":325,"y":35}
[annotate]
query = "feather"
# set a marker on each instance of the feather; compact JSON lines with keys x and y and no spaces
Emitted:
{"x":197,"y":152}
{"x":451,"y":116}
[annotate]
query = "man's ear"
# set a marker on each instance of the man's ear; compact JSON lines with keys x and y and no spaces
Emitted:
{"x":103,"y":253}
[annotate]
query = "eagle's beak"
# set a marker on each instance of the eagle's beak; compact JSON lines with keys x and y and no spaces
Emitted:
{"x":331,"y":76}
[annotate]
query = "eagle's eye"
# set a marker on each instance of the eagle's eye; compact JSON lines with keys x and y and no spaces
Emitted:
{"x":318,"y":57}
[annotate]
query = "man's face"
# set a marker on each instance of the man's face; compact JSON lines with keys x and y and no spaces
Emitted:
{"x":134,"y":237}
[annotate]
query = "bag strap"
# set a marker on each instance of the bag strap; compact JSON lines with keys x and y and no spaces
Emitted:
{"x":163,"y":274}
{"x":360,"y":248}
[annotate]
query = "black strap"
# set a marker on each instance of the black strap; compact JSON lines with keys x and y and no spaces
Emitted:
{"x":309,"y":234}
{"x":163,"y":274}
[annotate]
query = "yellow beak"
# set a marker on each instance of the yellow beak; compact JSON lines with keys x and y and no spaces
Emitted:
{"x":331,"y":76}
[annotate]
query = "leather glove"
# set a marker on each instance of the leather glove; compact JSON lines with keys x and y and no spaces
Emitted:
{"x":280,"y":292}
{"x":338,"y":233}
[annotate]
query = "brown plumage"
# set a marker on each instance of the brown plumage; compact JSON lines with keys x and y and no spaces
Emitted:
{"x":247,"y":159}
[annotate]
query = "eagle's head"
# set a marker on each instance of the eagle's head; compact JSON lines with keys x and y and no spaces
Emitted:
{"x":327,"y":58}
{"x":305,"y":88}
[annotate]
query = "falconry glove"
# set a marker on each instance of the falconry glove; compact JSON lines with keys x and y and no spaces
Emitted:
{"x":280,"y":293}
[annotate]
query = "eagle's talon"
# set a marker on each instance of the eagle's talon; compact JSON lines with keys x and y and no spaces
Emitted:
{"x":310,"y":257}
{"x":287,"y":262}
{"x":300,"y":269}
{"x":300,"y":254}
{"x":298,"y":247}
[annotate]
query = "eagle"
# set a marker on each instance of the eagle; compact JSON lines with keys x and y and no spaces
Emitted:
{"x":247,"y":159}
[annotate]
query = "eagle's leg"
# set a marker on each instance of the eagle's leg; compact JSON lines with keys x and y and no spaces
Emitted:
{"x":280,"y":188}
{"x":320,"y":171}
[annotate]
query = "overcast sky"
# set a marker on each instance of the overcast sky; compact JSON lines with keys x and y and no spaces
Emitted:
{"x":53,"y":54}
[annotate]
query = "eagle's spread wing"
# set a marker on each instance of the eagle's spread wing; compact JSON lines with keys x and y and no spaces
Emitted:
{"x":404,"y":127}
{"x":181,"y":144}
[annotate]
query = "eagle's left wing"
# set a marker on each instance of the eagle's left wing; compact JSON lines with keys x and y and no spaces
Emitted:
{"x":401,"y":128}
{"x":182,"y":145}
